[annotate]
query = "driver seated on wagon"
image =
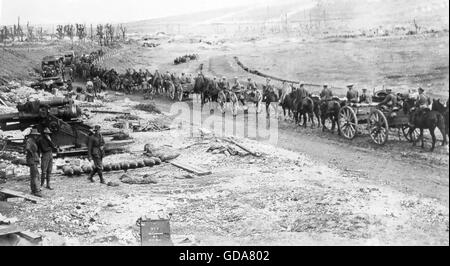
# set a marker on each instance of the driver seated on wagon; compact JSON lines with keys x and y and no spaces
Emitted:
{"x":390,"y":103}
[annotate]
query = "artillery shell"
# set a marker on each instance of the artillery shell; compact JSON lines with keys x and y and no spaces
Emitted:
{"x":149,"y":162}
{"x":157,"y":161}
{"x":68,"y":171}
{"x":87,"y":169}
{"x":77,"y":171}
{"x":107,"y":167}
{"x":124,"y":166}
{"x":133,"y":165}
{"x":141,"y":164}
{"x":115,"y":167}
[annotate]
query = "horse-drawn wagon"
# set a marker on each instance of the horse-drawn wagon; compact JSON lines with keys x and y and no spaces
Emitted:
{"x":378,"y":121}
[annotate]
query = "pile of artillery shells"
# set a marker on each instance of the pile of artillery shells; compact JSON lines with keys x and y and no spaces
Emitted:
{"x":71,"y":171}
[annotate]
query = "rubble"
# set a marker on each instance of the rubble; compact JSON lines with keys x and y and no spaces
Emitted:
{"x":148,"y":107}
{"x":138,"y":180}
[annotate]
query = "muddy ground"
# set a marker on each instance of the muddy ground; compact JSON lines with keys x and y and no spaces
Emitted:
{"x":308,"y":188}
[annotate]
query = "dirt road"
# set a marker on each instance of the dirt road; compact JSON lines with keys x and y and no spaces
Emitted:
{"x":397,"y":164}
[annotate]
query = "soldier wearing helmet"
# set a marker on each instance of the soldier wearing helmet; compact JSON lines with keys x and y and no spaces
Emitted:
{"x":32,"y":157}
{"x":46,"y":148}
{"x":96,"y":153}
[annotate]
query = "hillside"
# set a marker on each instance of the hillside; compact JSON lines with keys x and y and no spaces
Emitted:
{"x":351,"y":14}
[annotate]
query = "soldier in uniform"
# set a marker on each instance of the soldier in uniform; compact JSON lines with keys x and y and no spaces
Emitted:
{"x":352,"y":95}
{"x":69,"y":85}
{"x":251,"y":88}
{"x":365,"y":98}
{"x":223,"y":84}
{"x":96,"y":153}
{"x":390,"y":101}
{"x":90,"y":91}
{"x":326,"y":94}
{"x":97,"y":86}
{"x":423,"y":101}
{"x":32,"y":157}
{"x":46,"y":147}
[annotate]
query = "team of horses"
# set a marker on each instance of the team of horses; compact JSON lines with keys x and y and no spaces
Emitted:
{"x":302,"y":109}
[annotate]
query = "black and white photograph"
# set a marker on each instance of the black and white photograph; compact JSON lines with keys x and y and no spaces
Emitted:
{"x":238,"y":123}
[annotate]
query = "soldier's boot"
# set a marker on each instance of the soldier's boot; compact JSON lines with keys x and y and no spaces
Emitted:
{"x":91,"y":177}
{"x":42,"y":181}
{"x":37,"y":194}
{"x":102,"y":180}
{"x":48,"y":184}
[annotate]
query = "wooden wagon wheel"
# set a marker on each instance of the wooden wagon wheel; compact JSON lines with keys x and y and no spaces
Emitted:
{"x":409,"y":134}
{"x":378,"y":127}
{"x":348,"y":122}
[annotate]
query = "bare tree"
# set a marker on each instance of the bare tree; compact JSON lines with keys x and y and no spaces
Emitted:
{"x":30,"y":32}
{"x":4,"y":33}
{"x":100,"y":34}
{"x":110,"y":33}
{"x":69,"y":30}
{"x":123,"y":30}
{"x":20,"y":32}
{"x":40,"y":33}
{"x":60,"y":31}
{"x":81,"y":31}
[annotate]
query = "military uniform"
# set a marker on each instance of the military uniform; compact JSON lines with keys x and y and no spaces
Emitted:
{"x":423,"y":101}
{"x":96,"y":153}
{"x":352,"y":96}
{"x":364,"y":98}
{"x":32,"y":158}
{"x":46,"y":148}
{"x":390,"y":101}
{"x":326,"y":95}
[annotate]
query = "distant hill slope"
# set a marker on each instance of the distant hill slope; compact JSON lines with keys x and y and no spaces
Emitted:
{"x":351,"y":13}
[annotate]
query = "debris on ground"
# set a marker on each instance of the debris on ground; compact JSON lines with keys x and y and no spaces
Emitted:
{"x":165,"y":154}
{"x":138,"y":180}
{"x":148,"y":107}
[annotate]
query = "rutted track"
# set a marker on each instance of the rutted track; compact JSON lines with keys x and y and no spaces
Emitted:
{"x":397,"y":164}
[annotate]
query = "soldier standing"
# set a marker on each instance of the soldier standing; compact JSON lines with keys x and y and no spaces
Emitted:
{"x":32,"y":158}
{"x":46,"y":147}
{"x":365,"y":98}
{"x":326,"y":94}
{"x":96,"y":153}
{"x":352,"y":95}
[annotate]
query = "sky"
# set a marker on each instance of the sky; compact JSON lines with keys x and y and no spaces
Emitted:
{"x":96,"y":11}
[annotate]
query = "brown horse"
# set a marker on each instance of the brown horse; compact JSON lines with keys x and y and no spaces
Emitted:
{"x":330,"y":110}
{"x":443,"y":110}
{"x":425,"y":119}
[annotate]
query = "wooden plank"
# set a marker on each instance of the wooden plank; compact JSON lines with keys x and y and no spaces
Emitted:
{"x":256,"y":154}
{"x":30,"y":236}
{"x":7,"y":230}
{"x":191,"y":169}
{"x":18,"y":194}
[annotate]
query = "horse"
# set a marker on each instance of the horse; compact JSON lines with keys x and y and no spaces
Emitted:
{"x":228,"y":96}
{"x":306,"y":111}
{"x":287,"y":104}
{"x":270,"y":98}
{"x":443,"y":110}
{"x":255,"y":97}
{"x":425,"y":119}
{"x":201,"y":87}
{"x":330,"y":110}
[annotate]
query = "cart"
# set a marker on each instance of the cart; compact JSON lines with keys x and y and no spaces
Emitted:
{"x":354,"y":118}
